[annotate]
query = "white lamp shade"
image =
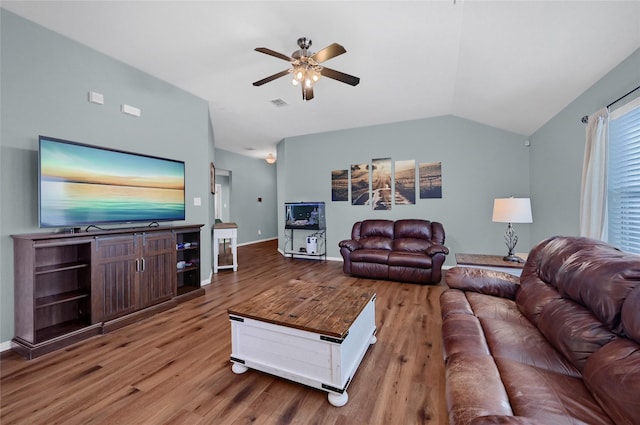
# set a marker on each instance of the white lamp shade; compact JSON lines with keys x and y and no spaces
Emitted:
{"x":512,"y":210}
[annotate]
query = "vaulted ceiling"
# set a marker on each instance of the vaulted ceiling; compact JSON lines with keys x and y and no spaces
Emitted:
{"x":508,"y":64}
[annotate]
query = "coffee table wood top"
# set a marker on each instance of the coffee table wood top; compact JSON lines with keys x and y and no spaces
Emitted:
{"x":321,"y":308}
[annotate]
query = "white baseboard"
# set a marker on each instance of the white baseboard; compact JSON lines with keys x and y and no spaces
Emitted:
{"x":258,"y":241}
{"x":5,"y":346}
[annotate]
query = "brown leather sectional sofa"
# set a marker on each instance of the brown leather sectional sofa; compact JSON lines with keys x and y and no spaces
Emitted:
{"x":409,"y":250}
{"x":562,"y":346}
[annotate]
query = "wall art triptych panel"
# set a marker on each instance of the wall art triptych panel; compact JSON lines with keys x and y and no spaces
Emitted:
{"x":340,"y":185}
{"x":405,"y":178}
{"x":359,"y":184}
{"x":430,"y":180}
{"x":383,"y":183}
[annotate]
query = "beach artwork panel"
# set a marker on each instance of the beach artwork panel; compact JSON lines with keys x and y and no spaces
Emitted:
{"x":430,"y":180}
{"x":360,"y":184}
{"x":381,"y":184}
{"x":405,"y":182}
{"x":340,"y":185}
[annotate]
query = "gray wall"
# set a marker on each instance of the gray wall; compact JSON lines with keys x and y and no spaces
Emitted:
{"x":479,"y":163}
{"x":557,"y":153}
{"x":250,"y":179}
{"x":44,"y":86}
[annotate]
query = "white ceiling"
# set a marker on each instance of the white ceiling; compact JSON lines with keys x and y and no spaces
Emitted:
{"x":511,"y":65}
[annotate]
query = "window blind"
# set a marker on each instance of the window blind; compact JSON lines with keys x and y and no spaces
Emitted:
{"x":623,"y":180}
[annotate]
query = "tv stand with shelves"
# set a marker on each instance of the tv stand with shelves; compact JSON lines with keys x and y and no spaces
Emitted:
{"x":71,"y":286}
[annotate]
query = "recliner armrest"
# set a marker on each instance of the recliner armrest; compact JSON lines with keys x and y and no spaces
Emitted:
{"x":350,"y":244}
{"x":483,"y":281}
{"x":437,"y":249}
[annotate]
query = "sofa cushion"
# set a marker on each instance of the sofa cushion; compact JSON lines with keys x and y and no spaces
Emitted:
{"x":630,"y":316}
{"x":549,"y":397}
{"x":411,"y":245}
{"x":570,"y":264}
{"x":369,"y":228}
{"x":613,"y":376}
{"x":580,"y":334}
{"x":533,"y":296}
{"x":490,"y":307}
{"x":409,"y":259}
{"x":412,"y":228}
{"x":377,"y":256}
{"x":523,"y":343}
{"x":376,"y":242}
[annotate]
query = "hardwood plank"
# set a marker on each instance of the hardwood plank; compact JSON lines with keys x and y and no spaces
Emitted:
{"x":173,"y":368}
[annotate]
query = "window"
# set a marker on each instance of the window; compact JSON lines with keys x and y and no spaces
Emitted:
{"x":623,"y":178}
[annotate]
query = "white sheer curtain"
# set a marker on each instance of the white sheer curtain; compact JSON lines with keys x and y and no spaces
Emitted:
{"x":593,"y":196}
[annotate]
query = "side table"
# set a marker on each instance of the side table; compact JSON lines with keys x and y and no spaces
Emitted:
{"x":491,"y":262}
{"x":223,"y":231}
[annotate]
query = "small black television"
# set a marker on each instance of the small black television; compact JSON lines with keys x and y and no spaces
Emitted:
{"x":304,"y":215}
{"x":80,"y":184}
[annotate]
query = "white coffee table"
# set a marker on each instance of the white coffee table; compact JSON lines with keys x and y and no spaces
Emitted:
{"x":311,"y":333}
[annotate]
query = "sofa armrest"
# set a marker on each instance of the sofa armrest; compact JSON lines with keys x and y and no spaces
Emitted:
{"x":350,"y":244}
{"x":437,"y":249}
{"x":505,"y":420}
{"x":488,"y":282}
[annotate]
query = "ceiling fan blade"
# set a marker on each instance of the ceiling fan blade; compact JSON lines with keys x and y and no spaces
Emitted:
{"x":273,"y":53}
{"x":307,"y":93}
{"x":328,"y":52}
{"x":340,"y":76}
{"x":271,"y":78}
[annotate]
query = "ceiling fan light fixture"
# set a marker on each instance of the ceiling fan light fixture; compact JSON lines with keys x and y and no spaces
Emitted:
{"x":270,"y":159}
{"x":305,"y":67}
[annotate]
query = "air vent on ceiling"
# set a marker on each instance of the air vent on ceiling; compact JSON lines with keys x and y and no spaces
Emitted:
{"x":250,"y":149}
{"x":279,"y":103}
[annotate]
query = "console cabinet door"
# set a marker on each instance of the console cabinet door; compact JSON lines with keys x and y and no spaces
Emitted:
{"x":115,"y":275}
{"x":158,"y":268}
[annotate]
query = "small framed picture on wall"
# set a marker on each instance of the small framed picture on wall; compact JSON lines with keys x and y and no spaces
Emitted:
{"x":213,"y":179}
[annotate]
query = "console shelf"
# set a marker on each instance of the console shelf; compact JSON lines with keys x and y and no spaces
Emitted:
{"x":60,"y":267}
{"x":71,"y":286}
{"x":60,"y":329}
{"x":62,"y":297}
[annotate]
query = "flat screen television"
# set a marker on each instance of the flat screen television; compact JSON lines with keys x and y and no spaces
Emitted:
{"x":80,"y":184}
{"x":304,"y":215}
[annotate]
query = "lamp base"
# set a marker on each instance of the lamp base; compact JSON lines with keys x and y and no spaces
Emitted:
{"x":513,"y":258}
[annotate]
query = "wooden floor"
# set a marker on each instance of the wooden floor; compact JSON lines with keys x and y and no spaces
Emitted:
{"x":174,"y":368}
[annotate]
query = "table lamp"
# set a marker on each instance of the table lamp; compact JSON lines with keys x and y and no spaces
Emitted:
{"x":512,"y":210}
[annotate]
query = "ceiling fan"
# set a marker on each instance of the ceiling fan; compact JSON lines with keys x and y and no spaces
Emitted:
{"x":306,"y":68}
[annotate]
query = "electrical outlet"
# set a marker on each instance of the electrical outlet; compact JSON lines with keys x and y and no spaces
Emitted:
{"x":259,"y":232}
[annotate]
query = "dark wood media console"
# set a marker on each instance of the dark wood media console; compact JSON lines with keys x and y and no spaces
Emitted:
{"x":70,"y":286}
